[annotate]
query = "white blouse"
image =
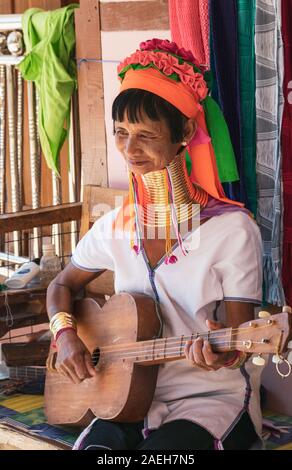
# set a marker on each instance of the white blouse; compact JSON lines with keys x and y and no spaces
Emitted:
{"x":224,"y":263}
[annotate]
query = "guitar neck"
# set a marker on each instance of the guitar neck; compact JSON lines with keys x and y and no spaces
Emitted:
{"x":162,"y":350}
{"x":172,"y":348}
{"x":261,"y":336}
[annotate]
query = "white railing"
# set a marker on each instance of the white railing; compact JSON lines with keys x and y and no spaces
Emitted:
{"x":10,"y":22}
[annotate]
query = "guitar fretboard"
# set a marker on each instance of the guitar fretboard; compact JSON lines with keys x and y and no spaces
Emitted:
{"x":163,"y":349}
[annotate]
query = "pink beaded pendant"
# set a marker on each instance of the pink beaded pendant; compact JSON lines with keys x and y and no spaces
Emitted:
{"x":136,"y":249}
{"x":170,"y":259}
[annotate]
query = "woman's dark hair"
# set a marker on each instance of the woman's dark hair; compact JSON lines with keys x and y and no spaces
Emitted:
{"x":135,"y":101}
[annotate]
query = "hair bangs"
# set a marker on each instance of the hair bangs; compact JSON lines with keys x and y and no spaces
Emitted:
{"x":133,"y":103}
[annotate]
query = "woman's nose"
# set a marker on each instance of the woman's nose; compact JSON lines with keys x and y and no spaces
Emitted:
{"x":131,"y":146}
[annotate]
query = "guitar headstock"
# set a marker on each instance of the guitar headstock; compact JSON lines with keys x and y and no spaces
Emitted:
{"x":269,"y":334}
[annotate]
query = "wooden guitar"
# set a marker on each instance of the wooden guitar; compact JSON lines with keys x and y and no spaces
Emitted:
{"x":122,"y":337}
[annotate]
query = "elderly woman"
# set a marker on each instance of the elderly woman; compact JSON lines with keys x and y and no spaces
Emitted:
{"x":186,"y":245}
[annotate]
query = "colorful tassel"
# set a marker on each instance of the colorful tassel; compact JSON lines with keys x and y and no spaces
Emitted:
{"x":131,"y":204}
{"x":170,"y":259}
{"x":168,"y":247}
{"x":173,"y":214}
{"x":134,"y":201}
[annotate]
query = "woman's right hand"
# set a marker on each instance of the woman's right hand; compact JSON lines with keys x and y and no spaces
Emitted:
{"x":73,"y":359}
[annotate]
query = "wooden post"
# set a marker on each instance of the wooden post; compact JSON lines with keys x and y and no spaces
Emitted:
{"x":6,"y":7}
{"x":90,"y":92}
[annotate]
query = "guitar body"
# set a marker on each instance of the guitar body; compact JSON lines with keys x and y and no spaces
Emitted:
{"x":122,"y":391}
{"x":123,"y":339}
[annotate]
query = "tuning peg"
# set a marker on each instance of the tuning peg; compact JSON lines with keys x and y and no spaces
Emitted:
{"x":287,"y":309}
{"x":258,"y":360}
{"x":264,"y":314}
{"x":289,"y":358}
{"x":276,"y":359}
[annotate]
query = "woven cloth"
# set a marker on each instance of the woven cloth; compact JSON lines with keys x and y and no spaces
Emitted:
{"x":269,"y":110}
{"x":26,"y":412}
{"x":286,"y":138}
{"x":225,"y":56}
{"x":189,"y":25}
{"x":246,"y":56}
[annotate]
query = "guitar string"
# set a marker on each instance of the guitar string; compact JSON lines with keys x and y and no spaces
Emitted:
{"x":173,"y":346}
{"x":178,"y":339}
{"x":152,"y":352}
{"x":210,"y":335}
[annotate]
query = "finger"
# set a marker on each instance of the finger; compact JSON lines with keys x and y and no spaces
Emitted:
{"x":79,"y":365}
{"x":89,"y":365}
{"x":187,"y":349}
{"x":210,"y":357}
{"x":69,"y":370}
{"x":214,"y":325}
{"x":63,"y":373}
{"x":49,"y":364}
{"x":197,"y":353}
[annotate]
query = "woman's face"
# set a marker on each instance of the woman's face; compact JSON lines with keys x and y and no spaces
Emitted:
{"x":146,"y":146}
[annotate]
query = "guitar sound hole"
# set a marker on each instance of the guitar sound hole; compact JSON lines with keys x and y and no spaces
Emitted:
{"x":95,"y":356}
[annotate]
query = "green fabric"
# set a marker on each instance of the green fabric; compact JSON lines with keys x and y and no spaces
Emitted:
{"x":50,"y":43}
{"x":246,"y":25}
{"x":222,"y":145}
{"x":188,"y":163}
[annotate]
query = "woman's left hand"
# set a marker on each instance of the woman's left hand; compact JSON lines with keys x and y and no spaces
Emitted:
{"x":200,"y":353}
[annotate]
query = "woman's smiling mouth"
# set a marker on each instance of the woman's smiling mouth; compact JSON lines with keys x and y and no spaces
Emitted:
{"x":137,"y":163}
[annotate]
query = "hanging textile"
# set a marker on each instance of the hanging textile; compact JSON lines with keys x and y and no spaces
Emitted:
{"x":269,"y":110}
{"x":287,"y":150}
{"x":189,"y":25}
{"x":49,"y":38}
{"x":224,"y":40}
{"x":189,"y":22}
{"x":246,"y":24}
{"x":212,"y":66}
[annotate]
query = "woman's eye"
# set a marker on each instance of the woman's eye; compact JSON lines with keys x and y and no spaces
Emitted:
{"x":121,"y":133}
{"x":143,"y":136}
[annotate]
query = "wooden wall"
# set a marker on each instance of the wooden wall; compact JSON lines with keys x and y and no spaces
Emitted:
{"x":108,"y":31}
{"x":134,"y":15}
